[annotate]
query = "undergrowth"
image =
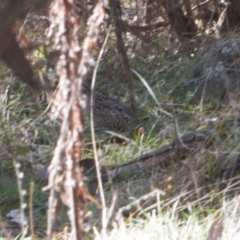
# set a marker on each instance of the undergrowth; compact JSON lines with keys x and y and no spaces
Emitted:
{"x":194,"y":199}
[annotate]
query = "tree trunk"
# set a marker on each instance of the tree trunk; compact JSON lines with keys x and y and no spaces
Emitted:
{"x":184,"y":25}
{"x":232,"y":18}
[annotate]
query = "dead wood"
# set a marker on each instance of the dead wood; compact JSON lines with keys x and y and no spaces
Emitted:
{"x":158,"y":159}
{"x":65,"y":176}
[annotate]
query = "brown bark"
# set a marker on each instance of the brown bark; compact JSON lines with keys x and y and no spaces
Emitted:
{"x":191,"y":22}
{"x":152,"y":11}
{"x":232,"y":18}
{"x":65,"y":176}
{"x":118,"y":28}
{"x":183,"y":24}
{"x":10,"y":51}
{"x":13,"y":56}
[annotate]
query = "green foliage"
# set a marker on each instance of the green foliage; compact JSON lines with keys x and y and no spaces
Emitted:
{"x":22,"y":150}
{"x":192,"y":196}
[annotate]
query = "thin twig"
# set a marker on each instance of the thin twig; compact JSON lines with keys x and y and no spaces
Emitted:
{"x":104,"y":209}
{"x":22,"y":193}
{"x":31,"y":210}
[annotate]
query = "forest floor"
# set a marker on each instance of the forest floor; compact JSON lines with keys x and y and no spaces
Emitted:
{"x":193,"y":198}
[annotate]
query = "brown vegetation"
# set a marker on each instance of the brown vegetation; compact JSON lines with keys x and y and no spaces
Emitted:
{"x":188,"y":53}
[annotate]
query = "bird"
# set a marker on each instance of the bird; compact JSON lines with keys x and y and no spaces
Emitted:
{"x":110,"y":113}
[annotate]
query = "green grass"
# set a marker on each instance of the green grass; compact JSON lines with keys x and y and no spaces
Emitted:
{"x":194,"y":198}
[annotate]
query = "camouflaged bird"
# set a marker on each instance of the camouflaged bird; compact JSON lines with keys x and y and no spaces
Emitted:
{"x":110,"y":113}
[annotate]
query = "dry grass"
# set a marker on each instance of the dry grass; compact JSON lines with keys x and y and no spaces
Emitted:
{"x":197,"y":194}
{"x":170,"y":223}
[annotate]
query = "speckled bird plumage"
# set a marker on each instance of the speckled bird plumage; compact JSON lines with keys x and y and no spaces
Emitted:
{"x":110,"y":113}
